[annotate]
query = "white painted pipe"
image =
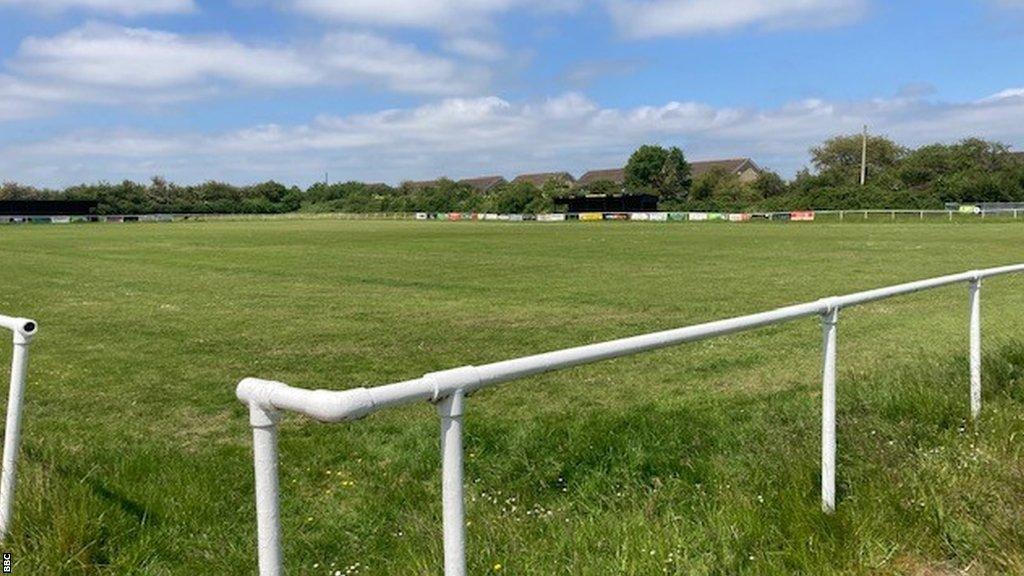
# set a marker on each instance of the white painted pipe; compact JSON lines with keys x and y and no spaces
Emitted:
{"x":23,"y":326}
{"x":452,"y":501}
{"x":24,"y":330}
{"x":974,"y":295}
{"x":268,"y":522}
{"x":449,"y":387}
{"x":828,"y":411}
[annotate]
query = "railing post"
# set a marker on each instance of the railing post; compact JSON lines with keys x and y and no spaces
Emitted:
{"x":453,"y":511}
{"x":828,"y":412}
{"x":974,"y":296}
{"x":268,"y":521}
{"x":12,"y":432}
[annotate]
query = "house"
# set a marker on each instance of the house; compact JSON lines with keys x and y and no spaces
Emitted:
{"x":541,"y":178}
{"x":420,"y":184}
{"x":484,"y":183}
{"x":745,"y":168}
{"x":613,"y":175}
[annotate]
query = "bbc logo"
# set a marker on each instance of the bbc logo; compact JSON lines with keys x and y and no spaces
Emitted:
{"x":8,"y":563}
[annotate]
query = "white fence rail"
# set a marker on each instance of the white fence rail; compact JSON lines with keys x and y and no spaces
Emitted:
{"x":449,"y":389}
{"x":24,"y":330}
{"x":949,"y":214}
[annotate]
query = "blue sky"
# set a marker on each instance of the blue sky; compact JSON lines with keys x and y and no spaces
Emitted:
{"x":389,"y":90}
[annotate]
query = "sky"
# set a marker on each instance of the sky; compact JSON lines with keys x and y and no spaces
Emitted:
{"x":392,"y":90}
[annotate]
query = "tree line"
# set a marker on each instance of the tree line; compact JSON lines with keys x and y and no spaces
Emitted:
{"x":972,"y":170}
{"x":969,"y":171}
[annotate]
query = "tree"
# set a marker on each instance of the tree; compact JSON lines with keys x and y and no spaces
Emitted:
{"x":769,"y":185}
{"x":606,"y":187}
{"x":839,"y":158}
{"x":518,"y":198}
{"x":15,"y":191}
{"x":659,"y":171}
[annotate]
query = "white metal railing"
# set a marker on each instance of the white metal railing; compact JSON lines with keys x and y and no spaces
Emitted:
{"x":24,"y":330}
{"x":448,"y":389}
{"x":920,"y":213}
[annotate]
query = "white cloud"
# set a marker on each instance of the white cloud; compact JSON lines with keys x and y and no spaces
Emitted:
{"x":1004,"y":94}
{"x":121,"y":7}
{"x":100,"y":63}
{"x":436,"y":14}
{"x":651,"y":18}
{"x":114,"y":56}
{"x":468,"y":136}
{"x":475,"y":49}
{"x":401,"y":67}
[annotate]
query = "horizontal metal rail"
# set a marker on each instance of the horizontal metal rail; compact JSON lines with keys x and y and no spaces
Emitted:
{"x":449,"y":388}
{"x":24,"y":330}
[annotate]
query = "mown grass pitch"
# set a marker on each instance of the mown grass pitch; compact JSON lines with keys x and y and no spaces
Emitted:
{"x":702,"y":459}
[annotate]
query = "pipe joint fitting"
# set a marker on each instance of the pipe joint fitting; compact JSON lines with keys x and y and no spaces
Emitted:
{"x":447,"y":382}
{"x":24,"y":330}
{"x":831,"y":305}
{"x":256,"y":393}
{"x":263,"y":416}
{"x":452,"y":406}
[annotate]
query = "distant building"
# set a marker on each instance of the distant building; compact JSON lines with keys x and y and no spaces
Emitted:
{"x":420,"y":184}
{"x":745,"y":168}
{"x":608,"y":203}
{"x":484,"y":183}
{"x":541,"y":178}
{"x":613,"y":175}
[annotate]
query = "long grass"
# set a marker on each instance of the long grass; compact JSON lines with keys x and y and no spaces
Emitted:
{"x":701,"y":459}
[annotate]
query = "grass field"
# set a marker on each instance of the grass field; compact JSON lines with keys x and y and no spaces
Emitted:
{"x":701,"y":459}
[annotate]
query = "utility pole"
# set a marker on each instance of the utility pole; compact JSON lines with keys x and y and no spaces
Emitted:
{"x":864,"y":156}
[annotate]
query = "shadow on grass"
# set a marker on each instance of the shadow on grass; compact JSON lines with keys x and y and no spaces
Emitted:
{"x":77,"y":474}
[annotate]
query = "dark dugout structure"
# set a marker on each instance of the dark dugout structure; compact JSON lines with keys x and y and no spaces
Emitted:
{"x":609,"y":203}
{"x":48,"y":207}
